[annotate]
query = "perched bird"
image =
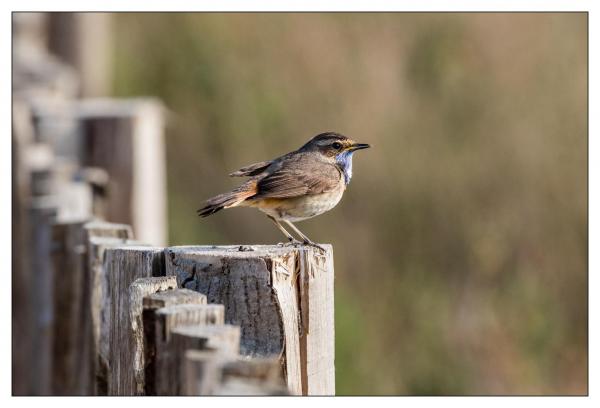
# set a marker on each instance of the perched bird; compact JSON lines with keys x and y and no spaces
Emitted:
{"x":294,"y":187}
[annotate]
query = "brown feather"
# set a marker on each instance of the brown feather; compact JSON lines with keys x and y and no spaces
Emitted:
{"x":252,"y":169}
{"x":229,"y":199}
{"x":298,"y":175}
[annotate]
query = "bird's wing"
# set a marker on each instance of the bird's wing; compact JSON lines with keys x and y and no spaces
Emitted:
{"x":297,"y":176}
{"x":252,"y":170}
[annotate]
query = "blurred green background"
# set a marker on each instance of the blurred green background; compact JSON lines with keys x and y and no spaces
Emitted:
{"x":461,"y":243}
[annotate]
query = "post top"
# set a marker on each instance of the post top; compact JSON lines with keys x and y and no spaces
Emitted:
{"x":248,"y":251}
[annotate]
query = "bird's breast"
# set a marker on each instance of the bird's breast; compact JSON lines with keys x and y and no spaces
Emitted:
{"x":301,"y":208}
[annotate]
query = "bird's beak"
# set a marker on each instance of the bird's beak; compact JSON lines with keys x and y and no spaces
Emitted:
{"x":358,"y":146}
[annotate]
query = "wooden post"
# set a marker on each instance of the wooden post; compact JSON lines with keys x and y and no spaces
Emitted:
{"x":123,"y":266}
{"x":152,"y":303}
{"x":84,"y":41}
{"x":76,"y":303}
{"x":265,"y":369}
{"x":165,"y":321}
{"x":22,"y":277}
{"x":135,"y":359}
{"x":100,"y":299}
{"x":224,"y":338}
{"x":210,"y":372}
{"x":125,"y":138}
{"x":40,"y":296}
{"x":255,"y":376}
{"x":282,"y":297}
{"x":72,"y":372}
{"x":167,"y":298}
{"x":201,"y":371}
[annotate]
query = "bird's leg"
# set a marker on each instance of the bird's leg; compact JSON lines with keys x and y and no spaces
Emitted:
{"x":306,"y":240}
{"x":289,"y":236}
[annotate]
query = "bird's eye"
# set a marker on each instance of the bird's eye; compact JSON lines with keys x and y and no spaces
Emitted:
{"x":336,"y":145}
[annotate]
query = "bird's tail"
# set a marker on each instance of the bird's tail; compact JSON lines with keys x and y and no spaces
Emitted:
{"x":229,"y":199}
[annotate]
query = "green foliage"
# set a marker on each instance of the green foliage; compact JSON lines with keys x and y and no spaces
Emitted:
{"x":461,"y":243}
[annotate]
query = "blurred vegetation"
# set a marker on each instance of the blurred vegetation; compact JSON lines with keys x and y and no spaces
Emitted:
{"x":461,"y":243}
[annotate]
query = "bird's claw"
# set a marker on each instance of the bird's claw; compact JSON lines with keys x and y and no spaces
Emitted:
{"x":293,"y":243}
{"x":312,"y":244}
{"x":296,"y":243}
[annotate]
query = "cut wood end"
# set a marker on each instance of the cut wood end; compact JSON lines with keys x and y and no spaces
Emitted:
{"x":248,"y":251}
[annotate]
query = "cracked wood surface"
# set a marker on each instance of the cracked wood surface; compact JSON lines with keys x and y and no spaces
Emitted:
{"x":137,"y":291}
{"x":280,"y":296}
{"x":123,"y":266}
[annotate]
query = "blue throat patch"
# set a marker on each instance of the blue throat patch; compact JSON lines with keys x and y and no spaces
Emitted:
{"x":344,"y":160}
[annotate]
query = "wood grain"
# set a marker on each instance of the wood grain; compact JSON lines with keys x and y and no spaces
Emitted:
{"x":137,"y":291}
{"x":166,"y":368}
{"x":100,"y":307}
{"x":281,"y":297}
{"x":225,"y":339}
{"x":123,"y":266}
{"x":151,"y":304}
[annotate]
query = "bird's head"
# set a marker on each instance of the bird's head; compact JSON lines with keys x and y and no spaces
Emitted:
{"x":337,"y":148}
{"x":332,"y":145}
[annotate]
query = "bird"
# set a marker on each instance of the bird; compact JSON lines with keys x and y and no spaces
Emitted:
{"x":296,"y":186}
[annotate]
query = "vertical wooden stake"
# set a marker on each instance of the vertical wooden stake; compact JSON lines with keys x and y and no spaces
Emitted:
{"x":100,"y":235}
{"x":123,"y":266}
{"x":152,"y":303}
{"x":282,"y":297}
{"x":224,"y":338}
{"x":126,"y":139}
{"x":137,"y":291}
{"x":70,"y":349}
{"x":201,"y":372}
{"x":167,"y":319}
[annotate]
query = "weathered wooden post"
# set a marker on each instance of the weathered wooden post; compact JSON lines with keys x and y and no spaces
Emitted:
{"x":137,"y":291}
{"x":165,"y":374}
{"x":282,"y":297}
{"x":256,"y":376}
{"x":201,"y":371}
{"x":84,"y":41}
{"x":126,"y":139}
{"x":100,"y":237}
{"x":152,"y":336}
{"x":225,"y":338}
{"x":77,"y":301}
{"x":123,"y":266}
{"x":70,"y":345}
{"x":211,"y":372}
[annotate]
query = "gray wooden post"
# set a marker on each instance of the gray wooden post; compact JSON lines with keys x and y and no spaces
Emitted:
{"x":126,"y":139}
{"x":84,"y":41}
{"x":210,"y":372}
{"x":100,"y":236}
{"x":135,"y":360}
{"x":256,"y":376}
{"x":282,"y":297}
{"x":224,"y":338}
{"x":166,"y":367}
{"x":70,"y":343}
{"x":152,"y":303}
{"x":123,"y":266}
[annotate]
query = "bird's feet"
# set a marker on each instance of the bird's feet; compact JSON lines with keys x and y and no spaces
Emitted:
{"x":296,"y":243}
{"x":312,"y":244}
{"x":291,"y":242}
